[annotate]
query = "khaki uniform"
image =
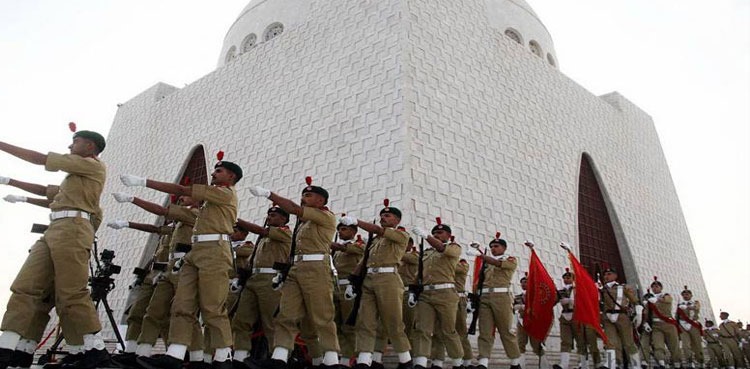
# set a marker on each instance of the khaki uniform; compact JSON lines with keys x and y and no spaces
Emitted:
{"x":496,"y":309}
{"x":204,"y":276}
{"x":305,"y":295}
{"x":438,"y":347}
{"x":383,"y":293}
{"x":729,"y":335}
{"x":664,"y":335}
{"x":519,"y":303}
{"x":407,"y":269}
{"x":345,"y":261}
{"x":745,"y":339}
{"x":573,"y":332}
{"x":258,"y":300}
{"x":58,"y":261}
{"x":617,"y":325}
{"x":438,"y":305}
{"x":156,"y":322}
{"x":692,"y":342}
{"x":241,"y":255}
{"x":716,"y":356}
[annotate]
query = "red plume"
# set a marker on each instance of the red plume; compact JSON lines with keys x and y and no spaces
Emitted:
{"x":497,"y":235}
{"x":173,"y":198}
{"x":605,"y":265}
{"x":655,"y":278}
{"x":220,"y":155}
{"x":567,"y":270}
{"x":685,"y":286}
{"x":308,"y":180}
{"x":343,"y":214}
{"x":439,"y":221}
{"x":453,"y":238}
{"x":72,"y":127}
{"x":359,"y":237}
{"x":185,"y":181}
{"x":386,"y":202}
{"x":526,"y":274}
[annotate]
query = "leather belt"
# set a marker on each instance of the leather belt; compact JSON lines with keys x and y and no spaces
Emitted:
{"x":615,"y":311}
{"x":183,"y":247}
{"x":656,"y":319}
{"x":309,"y":257}
{"x":159,"y":266}
{"x":441,"y":286}
{"x":496,"y":290}
{"x":264,"y":271}
{"x":382,"y":270}
{"x":178,"y":255}
{"x":55,"y":215}
{"x":210,"y":237}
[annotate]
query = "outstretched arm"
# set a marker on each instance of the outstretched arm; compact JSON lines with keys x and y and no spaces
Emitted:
{"x":34,"y":188}
{"x":252,"y":227}
{"x":31,"y":156}
{"x":288,"y":205}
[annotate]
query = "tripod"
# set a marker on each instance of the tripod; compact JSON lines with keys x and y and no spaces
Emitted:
{"x":101,"y":283}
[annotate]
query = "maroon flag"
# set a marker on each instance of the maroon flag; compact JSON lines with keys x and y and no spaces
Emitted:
{"x":586,"y":307}
{"x":541,"y":297}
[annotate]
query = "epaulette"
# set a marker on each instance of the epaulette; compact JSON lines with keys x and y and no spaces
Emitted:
{"x":511,"y":258}
{"x":463,"y":261}
{"x":284,"y":227}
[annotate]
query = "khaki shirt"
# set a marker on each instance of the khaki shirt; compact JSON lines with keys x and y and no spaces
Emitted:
{"x":273,"y":248}
{"x":610,"y":293}
{"x":692,"y":308}
{"x":183,"y":230}
{"x":440,"y":267}
{"x":388,"y":249}
{"x":409,"y":268}
{"x":82,"y":187}
{"x":664,"y":305}
{"x":711,"y":335}
{"x":500,"y":276}
{"x":242,"y":254}
{"x":728,"y":329}
{"x":346,"y":260}
{"x":316,"y":231}
{"x":161,"y":255}
{"x":96,"y":217}
{"x":565,"y":293}
{"x":462,"y":271}
{"x":219,"y":211}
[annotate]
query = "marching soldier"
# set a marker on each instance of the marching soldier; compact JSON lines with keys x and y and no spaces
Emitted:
{"x":347,"y":253}
{"x":572,"y":332}
{"x":59,"y":260}
{"x":519,"y":304}
{"x":729,"y":335}
{"x":745,"y":341}
{"x":259,"y":300}
{"x":382,"y":288}
{"x":617,"y":299}
{"x":496,"y":306}
{"x":664,"y":327}
{"x":204,"y":274}
{"x":306,"y":293}
{"x":438,"y":301}
{"x":716,"y":356}
{"x":645,"y":330}
{"x":688,"y":315}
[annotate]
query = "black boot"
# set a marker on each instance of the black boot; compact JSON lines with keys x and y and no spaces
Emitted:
{"x":226,"y":364}
{"x":125,"y":360}
{"x":198,"y":365}
{"x":236,"y":364}
{"x":5,"y":357}
{"x":265,"y":364}
{"x":91,"y":359}
{"x":406,"y":365}
{"x":160,"y":362}
{"x":67,"y":359}
{"x":377,"y":365}
{"x":21,"y":359}
{"x":555,"y":366}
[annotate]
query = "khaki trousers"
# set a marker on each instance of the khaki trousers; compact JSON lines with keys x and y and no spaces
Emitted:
{"x":307,"y":294}
{"x":716,"y":356}
{"x":346,"y":333}
{"x":619,"y":333}
{"x":438,"y":347}
{"x":734,"y":355}
{"x":646,"y":350}
{"x":692,"y":345}
{"x":437,"y":307}
{"x":496,"y":313}
{"x":258,"y":301}
{"x":138,"y":309}
{"x":586,"y":340}
{"x":663,"y":337}
{"x":382,"y":298}
{"x":523,"y":339}
{"x":203,"y":287}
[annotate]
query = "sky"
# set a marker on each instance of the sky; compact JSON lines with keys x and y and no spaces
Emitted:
{"x":685,"y":62}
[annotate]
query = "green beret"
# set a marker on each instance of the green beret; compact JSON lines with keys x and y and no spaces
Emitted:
{"x":232,"y":167}
{"x":94,"y":137}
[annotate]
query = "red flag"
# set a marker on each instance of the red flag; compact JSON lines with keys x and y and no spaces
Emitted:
{"x":477,"y":268}
{"x":541,"y":297}
{"x":586,"y":308}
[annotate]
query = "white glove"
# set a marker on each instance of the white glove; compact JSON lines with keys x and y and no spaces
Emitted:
{"x":519,"y":307}
{"x":234,"y":285}
{"x":349,"y":294}
{"x":420,"y":232}
{"x":4,"y":180}
{"x":473,"y":252}
{"x":647,"y":328}
{"x":276,"y":282}
{"x":118,"y":224}
{"x":638,"y":319}
{"x":683,"y":307}
{"x":348,"y":220}
{"x":159,"y":276}
{"x":177,"y":266}
{"x":15,"y":198}
{"x":412,"y":300}
{"x":258,"y":191}
{"x":529,"y":243}
{"x":565,"y":300}
{"x":639,"y":310}
{"x":130,"y":180}
{"x":565,"y":246}
{"x":652,"y":300}
{"x":469,"y":307}
{"x":123,"y":197}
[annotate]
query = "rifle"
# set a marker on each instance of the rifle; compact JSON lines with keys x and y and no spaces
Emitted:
{"x":357,"y":281}
{"x":417,"y":288}
{"x":283,"y":268}
{"x":476,"y":298}
{"x":243,"y":274}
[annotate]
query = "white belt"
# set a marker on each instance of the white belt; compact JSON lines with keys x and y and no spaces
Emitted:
{"x":440,"y":286}
{"x":210,"y":237}
{"x":657,"y":320}
{"x":344,"y":282}
{"x":496,"y":290}
{"x":55,"y":215}
{"x":178,"y":255}
{"x":381,"y":270}
{"x":462,"y":294}
{"x":309,"y":257}
{"x":264,"y":271}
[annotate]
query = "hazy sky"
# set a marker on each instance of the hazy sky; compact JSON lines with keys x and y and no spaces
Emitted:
{"x":685,"y":62}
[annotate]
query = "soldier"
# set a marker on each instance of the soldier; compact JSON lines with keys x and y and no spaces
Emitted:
{"x":663,"y":325}
{"x":519,"y":304}
{"x":645,"y":330}
{"x":688,"y":315}
{"x":347,"y":253}
{"x":382,"y":288}
{"x":616,"y":300}
{"x":156,"y":321}
{"x":716,"y":356}
{"x":304,"y":295}
{"x":745,"y":341}
{"x":59,"y":260}
{"x":573,"y":332}
{"x":259,"y":300}
{"x":204,"y":274}
{"x":729,"y":335}
{"x":241,"y":249}
{"x":438,"y":301}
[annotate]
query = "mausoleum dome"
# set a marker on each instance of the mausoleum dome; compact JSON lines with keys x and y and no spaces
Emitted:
{"x":517,"y":20}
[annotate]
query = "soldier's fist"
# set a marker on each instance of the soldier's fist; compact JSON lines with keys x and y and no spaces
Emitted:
{"x":529,"y":243}
{"x":4,"y":180}
{"x":118,"y":224}
{"x":473,"y":252}
{"x":412,"y":300}
{"x":565,"y":246}
{"x":123,"y":197}
{"x":646,"y":328}
{"x":470,"y":307}
{"x":420,"y":232}
{"x":234,"y":285}
{"x":132,"y":181}
{"x":15,"y":198}
{"x":348,"y":220}
{"x":258,"y":191}
{"x":349,"y":294}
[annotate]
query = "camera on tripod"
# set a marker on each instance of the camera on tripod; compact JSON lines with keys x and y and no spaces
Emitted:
{"x":102,"y":282}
